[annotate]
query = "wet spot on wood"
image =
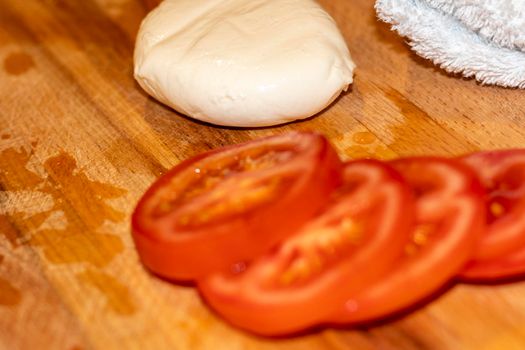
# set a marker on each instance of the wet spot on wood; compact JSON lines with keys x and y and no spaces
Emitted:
{"x":117,"y":295}
{"x":82,"y":202}
{"x":18,"y":63}
{"x":9,"y":294}
{"x":87,"y":196}
{"x":72,"y":245}
{"x":5,"y":136}
{"x":125,"y":14}
{"x":406,"y":106}
{"x":409,"y":131}
{"x":8,"y":230}
{"x":118,"y":155}
{"x":418,"y":131}
{"x":364,"y":138}
{"x":4,"y":39}
{"x":364,"y":152}
{"x":17,"y":180}
{"x":14,"y":171}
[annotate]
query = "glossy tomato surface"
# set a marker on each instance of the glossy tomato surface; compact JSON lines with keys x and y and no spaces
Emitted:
{"x":503,"y":269}
{"x":500,"y":254}
{"x":218,"y":210}
{"x":450,"y":219}
{"x":354,"y":239}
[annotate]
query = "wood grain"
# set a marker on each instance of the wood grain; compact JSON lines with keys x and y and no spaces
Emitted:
{"x":80,"y":142}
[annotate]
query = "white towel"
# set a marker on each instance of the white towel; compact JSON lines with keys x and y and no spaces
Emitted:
{"x":442,"y":31}
{"x":500,"y":21}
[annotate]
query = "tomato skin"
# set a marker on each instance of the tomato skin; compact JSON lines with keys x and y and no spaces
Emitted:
{"x":494,"y":168}
{"x":376,"y":200}
{"x":495,"y":270}
{"x":499,"y":255}
{"x":450,"y":200}
{"x":180,"y":252}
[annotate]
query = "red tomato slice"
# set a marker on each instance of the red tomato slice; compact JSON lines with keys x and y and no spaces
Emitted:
{"x":501,"y":269}
{"x":352,"y":241}
{"x":450,"y":219}
{"x":224,"y":207}
{"x":499,"y":254}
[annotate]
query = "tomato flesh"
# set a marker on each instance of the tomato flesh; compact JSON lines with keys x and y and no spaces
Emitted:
{"x":351,"y":241}
{"x":449,"y":220}
{"x":223,"y":208}
{"x":499,"y":254}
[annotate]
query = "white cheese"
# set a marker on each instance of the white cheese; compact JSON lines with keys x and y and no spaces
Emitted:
{"x":242,"y":63}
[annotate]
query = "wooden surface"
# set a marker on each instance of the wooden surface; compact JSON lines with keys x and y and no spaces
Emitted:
{"x":80,"y":142}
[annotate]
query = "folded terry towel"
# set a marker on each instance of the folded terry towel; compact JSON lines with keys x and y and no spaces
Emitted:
{"x":500,"y":21}
{"x":446,"y":32}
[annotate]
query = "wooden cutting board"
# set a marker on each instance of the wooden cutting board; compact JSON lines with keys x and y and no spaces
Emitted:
{"x":80,"y":142}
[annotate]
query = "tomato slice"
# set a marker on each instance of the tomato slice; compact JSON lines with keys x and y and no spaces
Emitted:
{"x":222,"y":208}
{"x":449,"y":220}
{"x":353,"y":240}
{"x":501,"y":269}
{"x":499,"y":254}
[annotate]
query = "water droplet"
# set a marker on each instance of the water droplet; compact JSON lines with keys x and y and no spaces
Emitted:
{"x":364,"y":138}
{"x":238,"y":267}
{"x":351,"y":305}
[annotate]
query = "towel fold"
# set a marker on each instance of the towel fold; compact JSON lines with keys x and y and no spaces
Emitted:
{"x":501,"y":22}
{"x":477,"y":38}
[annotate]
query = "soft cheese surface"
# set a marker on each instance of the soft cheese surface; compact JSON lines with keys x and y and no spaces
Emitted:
{"x":242,"y":62}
